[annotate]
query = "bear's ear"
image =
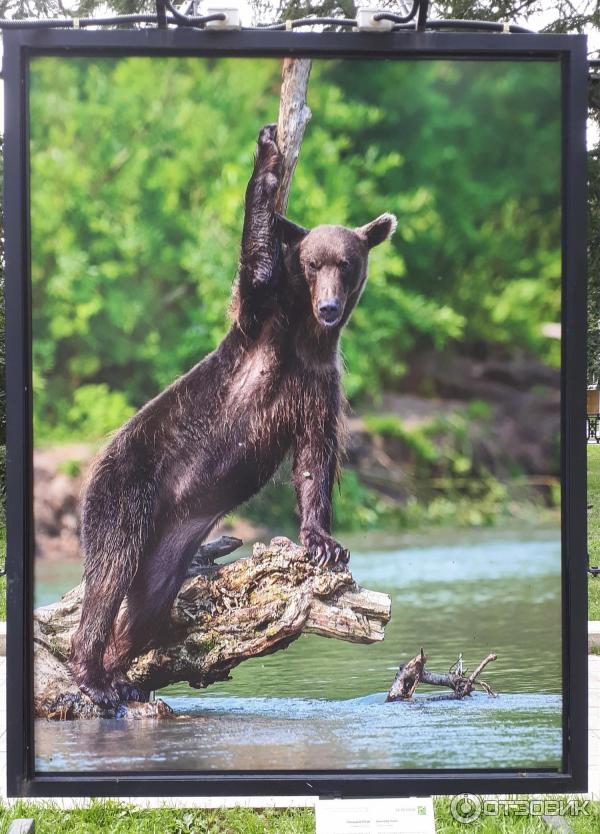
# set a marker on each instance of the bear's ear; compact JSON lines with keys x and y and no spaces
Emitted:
{"x":289,"y":232}
{"x":378,"y":230}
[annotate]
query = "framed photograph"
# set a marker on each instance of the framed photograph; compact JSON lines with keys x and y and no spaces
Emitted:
{"x":295,"y":351}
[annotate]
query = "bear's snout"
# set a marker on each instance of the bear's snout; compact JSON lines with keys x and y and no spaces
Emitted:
{"x":330,"y":311}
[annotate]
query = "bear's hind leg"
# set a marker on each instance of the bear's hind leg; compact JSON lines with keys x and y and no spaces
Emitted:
{"x":104,"y":592}
{"x":116,"y":533}
{"x":150,"y":599}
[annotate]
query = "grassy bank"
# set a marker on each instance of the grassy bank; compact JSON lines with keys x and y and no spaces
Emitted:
{"x":118,"y":818}
{"x":594,"y":529}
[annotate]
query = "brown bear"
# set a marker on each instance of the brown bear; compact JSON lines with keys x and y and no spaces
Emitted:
{"x":215,"y":436}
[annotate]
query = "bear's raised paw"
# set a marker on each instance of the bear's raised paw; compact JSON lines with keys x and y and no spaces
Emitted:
{"x":268,"y":154}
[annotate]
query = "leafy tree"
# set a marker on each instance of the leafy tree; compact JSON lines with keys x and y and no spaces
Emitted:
{"x":409,"y":304}
{"x":564,"y":15}
{"x":138,"y":169}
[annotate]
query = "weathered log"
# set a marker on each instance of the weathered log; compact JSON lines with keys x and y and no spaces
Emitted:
{"x":411,"y":674}
{"x":221,"y":617}
{"x":294,"y":115}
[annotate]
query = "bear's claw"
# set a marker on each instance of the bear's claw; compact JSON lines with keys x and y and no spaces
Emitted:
{"x":103,"y":696}
{"x":130,"y":692}
{"x":323,"y":550}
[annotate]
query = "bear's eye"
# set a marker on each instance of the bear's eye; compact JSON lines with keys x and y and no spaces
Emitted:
{"x":312,"y":264}
{"x":344,"y":265}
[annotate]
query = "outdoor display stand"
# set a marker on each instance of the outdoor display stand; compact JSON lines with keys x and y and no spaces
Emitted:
{"x":122,"y":238}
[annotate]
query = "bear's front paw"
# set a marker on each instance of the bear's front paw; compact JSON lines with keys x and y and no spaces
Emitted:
{"x":268,"y":135}
{"x":268,"y":154}
{"x":322,"y":549}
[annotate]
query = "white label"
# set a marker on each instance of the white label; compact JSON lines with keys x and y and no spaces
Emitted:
{"x":375,"y":816}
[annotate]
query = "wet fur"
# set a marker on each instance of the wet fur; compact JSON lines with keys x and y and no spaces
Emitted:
{"x":215,"y":436}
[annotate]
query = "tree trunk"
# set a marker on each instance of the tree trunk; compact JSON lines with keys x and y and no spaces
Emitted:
{"x":221,"y":617}
{"x":294,"y":115}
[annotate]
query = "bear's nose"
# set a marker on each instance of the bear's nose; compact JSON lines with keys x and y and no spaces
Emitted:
{"x":329,"y":310}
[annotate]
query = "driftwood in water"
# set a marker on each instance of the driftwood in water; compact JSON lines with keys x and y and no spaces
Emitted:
{"x":294,"y":115}
{"x":411,"y":674}
{"x":221,"y":617}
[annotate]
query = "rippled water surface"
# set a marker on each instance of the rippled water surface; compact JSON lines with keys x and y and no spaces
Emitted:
{"x":320,"y":704}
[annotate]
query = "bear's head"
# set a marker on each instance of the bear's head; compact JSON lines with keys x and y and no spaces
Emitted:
{"x":331,"y":262}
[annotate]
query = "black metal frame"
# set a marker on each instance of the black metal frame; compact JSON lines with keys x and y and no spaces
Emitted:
{"x":570,"y":52}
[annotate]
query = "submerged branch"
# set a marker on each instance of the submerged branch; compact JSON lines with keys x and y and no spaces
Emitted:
{"x":411,"y":674}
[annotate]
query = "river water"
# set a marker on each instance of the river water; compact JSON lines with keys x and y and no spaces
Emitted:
{"x":320,"y":704}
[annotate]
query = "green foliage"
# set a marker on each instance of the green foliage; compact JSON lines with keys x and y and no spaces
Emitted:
{"x":513,"y":821}
{"x":356,"y":507}
{"x":479,"y":411}
{"x":559,"y":15}
{"x":447,"y":490}
{"x":440,"y":446}
{"x":415,"y":440}
{"x":120,"y":818}
{"x":474,"y":502}
{"x":138,"y":171}
{"x":593,"y":457}
{"x":71,"y":467}
{"x":481,"y":503}
{"x":93,"y":412}
{"x":96,"y":410}
{"x":102,"y":816}
{"x":449,"y":487}
{"x":275,"y":505}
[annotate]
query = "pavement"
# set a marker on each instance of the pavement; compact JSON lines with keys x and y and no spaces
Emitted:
{"x":594,"y":726}
{"x":308,"y":801}
{"x":593,"y":634}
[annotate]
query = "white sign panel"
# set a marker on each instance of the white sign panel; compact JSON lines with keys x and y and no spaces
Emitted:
{"x":375,"y":816}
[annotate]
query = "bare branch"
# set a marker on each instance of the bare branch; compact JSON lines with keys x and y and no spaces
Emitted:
{"x":294,"y":115}
{"x":410,"y":674}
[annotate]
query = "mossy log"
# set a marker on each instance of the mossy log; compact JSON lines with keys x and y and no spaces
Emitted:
{"x":222,"y":616}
